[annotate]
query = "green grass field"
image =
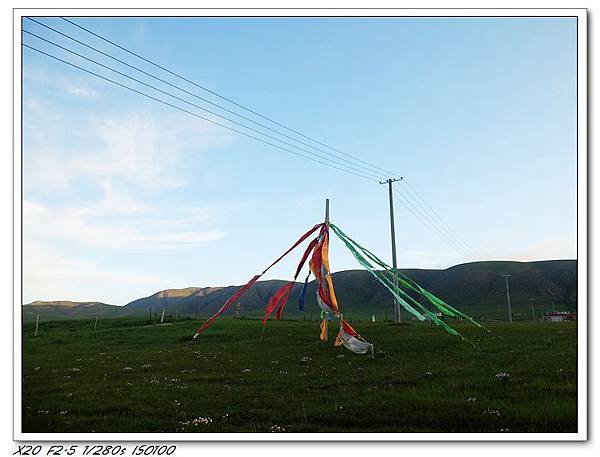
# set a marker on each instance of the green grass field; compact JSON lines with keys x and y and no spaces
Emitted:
{"x":128,"y":376}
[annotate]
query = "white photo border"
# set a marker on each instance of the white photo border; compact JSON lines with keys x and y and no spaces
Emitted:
{"x":582,"y":225}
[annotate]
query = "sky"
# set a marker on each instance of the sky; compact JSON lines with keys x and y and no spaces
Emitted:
{"x":124,"y":196}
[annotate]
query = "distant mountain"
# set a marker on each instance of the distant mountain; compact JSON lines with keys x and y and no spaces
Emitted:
{"x":170,"y":297}
{"x":477,"y":288}
{"x":57,"y":310}
{"x":207,"y":299}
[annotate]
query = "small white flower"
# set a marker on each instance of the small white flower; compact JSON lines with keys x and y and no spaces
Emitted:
{"x":246,"y":370}
{"x":200,"y":420}
{"x":502,"y":376}
{"x":491,"y":412}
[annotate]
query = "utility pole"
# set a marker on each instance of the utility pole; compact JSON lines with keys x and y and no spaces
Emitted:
{"x":389,"y":182}
{"x":531,"y":300}
{"x":541,"y":313}
{"x":508,"y":297}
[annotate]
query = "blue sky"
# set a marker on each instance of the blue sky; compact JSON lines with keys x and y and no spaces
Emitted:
{"x":124,"y":197}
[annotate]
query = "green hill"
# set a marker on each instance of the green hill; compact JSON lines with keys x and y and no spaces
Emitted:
{"x":64,"y":309}
{"x":169,"y":297}
{"x":477,"y":288}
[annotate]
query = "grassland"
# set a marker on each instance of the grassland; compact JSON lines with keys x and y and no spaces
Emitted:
{"x":128,"y":376}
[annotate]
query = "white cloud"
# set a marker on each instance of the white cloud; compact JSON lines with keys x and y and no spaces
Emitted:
{"x":49,"y":275}
{"x":79,"y":91}
{"x":134,"y":150}
{"x":101,"y":184}
{"x":97,"y":227}
{"x":549,"y":249}
{"x":73,"y":85}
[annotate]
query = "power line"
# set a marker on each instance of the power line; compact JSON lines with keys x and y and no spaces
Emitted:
{"x":194,"y":114}
{"x":436,"y":214}
{"x":427,"y":210}
{"x":434,"y":226}
{"x":200,"y":107}
{"x":427,"y":214}
{"x":239,"y":105}
{"x":188,"y":92}
{"x":444,"y":237}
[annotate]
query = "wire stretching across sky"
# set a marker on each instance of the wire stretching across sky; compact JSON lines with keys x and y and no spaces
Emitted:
{"x":239,"y":105}
{"x":375,"y":171}
{"x":415,"y":211}
{"x":413,"y":192}
{"x":188,"y":112}
{"x":337,"y":162}
{"x":350,"y":165}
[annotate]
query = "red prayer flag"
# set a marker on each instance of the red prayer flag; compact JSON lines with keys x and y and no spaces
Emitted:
{"x":243,"y":289}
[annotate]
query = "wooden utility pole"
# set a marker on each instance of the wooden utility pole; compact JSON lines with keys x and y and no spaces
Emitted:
{"x":389,"y":182}
{"x":508,"y":298}
{"x":165,"y":302}
{"x":531,"y":300}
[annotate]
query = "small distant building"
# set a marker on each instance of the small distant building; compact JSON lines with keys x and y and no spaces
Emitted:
{"x":560,"y":316}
